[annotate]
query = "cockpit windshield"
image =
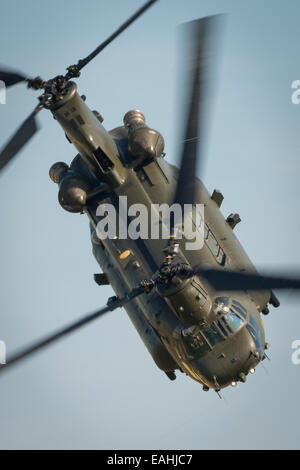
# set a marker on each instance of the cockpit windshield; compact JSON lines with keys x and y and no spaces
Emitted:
{"x":230,"y":315}
{"x":232,"y":321}
{"x":221,"y":305}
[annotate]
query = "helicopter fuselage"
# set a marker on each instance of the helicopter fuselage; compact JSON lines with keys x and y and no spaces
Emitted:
{"x":213,"y":337}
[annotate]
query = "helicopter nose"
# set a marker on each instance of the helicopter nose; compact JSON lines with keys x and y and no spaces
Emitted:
{"x":230,"y":362}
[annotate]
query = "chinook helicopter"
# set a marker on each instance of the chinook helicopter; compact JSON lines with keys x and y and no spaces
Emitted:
{"x":197,"y":311}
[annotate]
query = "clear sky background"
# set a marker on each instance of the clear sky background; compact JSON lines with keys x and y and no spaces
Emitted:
{"x":100,"y":388}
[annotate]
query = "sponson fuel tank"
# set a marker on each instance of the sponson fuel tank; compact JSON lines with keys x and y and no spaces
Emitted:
{"x":72,"y":188}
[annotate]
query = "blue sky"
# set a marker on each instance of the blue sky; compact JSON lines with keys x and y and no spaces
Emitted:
{"x":100,"y":388}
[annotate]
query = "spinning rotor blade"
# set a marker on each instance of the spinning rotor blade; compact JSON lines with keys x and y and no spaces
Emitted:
{"x":11,"y":78}
{"x":82,"y":63}
{"x":20,"y":138}
{"x":235,"y":281}
{"x":69,"y":329}
{"x":200,"y":57}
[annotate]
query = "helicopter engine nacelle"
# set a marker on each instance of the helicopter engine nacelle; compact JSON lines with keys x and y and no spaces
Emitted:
{"x":188,"y":300}
{"x":144,"y":144}
{"x":72,"y":189}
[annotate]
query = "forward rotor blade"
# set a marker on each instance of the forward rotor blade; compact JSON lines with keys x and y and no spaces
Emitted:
{"x":11,"y":78}
{"x":198,"y":63}
{"x":82,"y":63}
{"x":69,"y":329}
{"x":20,"y":138}
{"x":235,"y":281}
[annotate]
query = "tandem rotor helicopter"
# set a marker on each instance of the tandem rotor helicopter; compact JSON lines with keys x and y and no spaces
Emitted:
{"x":197,"y":311}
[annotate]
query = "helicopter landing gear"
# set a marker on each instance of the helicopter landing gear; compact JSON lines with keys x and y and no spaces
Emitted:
{"x":101,"y":279}
{"x":171,"y":375}
{"x":265,"y":311}
{"x":273,"y":300}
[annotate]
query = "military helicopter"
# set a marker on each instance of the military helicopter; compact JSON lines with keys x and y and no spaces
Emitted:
{"x":197,"y":311}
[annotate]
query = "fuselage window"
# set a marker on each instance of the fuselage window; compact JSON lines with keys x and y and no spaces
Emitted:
{"x":212,"y":244}
{"x":221,"y":258}
{"x":206,"y":230}
{"x":214,"y":247}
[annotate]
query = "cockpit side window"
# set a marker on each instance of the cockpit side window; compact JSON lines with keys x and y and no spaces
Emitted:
{"x":240,"y":311}
{"x":239,"y":307}
{"x":255,"y":333}
{"x":254,"y":325}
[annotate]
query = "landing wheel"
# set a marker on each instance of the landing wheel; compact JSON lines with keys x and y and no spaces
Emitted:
{"x":265,"y":311}
{"x":171,"y":375}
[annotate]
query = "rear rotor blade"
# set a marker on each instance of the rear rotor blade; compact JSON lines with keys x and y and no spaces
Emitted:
{"x":198,"y":62}
{"x":11,"y":78}
{"x":69,"y":329}
{"x":235,"y":281}
{"x":20,"y":138}
{"x":199,"y":57}
{"x":82,"y":63}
